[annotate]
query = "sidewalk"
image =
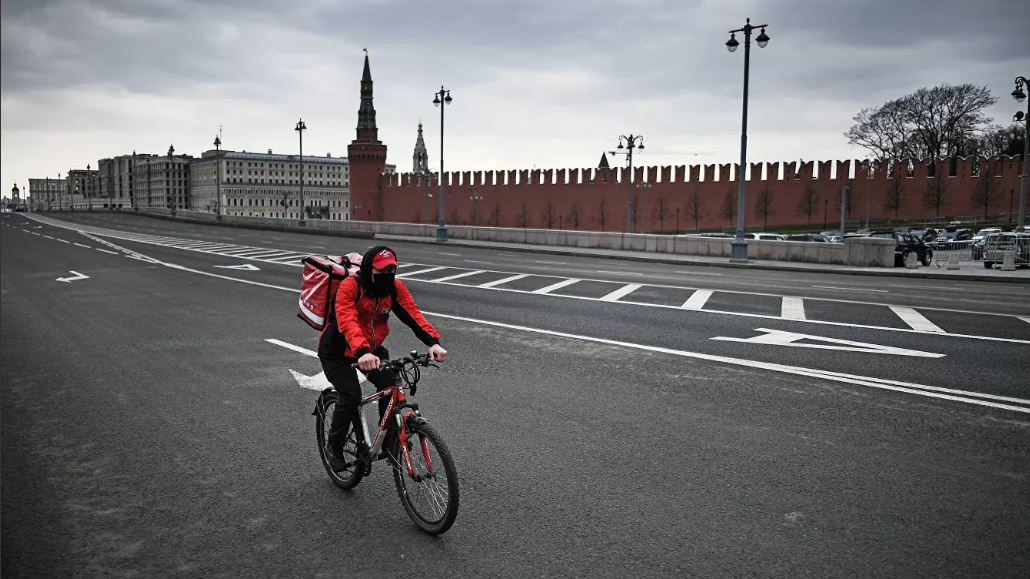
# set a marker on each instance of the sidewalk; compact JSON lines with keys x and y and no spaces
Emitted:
{"x":970,"y":271}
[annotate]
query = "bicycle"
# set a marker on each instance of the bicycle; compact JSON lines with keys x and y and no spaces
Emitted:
{"x":403,"y":439}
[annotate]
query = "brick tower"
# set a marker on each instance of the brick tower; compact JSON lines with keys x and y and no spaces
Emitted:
{"x":367,"y":158}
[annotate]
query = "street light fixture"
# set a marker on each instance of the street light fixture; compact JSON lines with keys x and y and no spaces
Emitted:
{"x":171,"y":198}
{"x":1020,"y":96}
{"x":476,"y":197}
{"x":300,"y":128}
{"x":218,"y":176}
{"x":739,"y":254}
{"x":89,"y":190}
{"x":632,"y":142}
{"x":439,"y":100}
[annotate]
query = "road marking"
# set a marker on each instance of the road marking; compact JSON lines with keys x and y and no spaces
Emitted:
{"x":555,"y":286}
{"x":316,"y":382}
{"x":897,"y":386}
{"x":48,"y":237}
{"x":697,"y":300}
{"x":850,"y":289}
{"x":475,"y":261}
{"x":459,"y":276}
{"x":244,"y":267}
{"x":618,"y":272}
{"x":504,"y":280}
{"x":791,"y":339}
{"x":86,"y":246}
{"x":792,"y":308}
{"x":293,"y":347}
{"x":106,"y":251}
{"x":77,"y":277}
{"x":551,"y":262}
{"x":451,"y":254}
{"x":915,"y":320}
{"x":1025,"y":319}
{"x":411,"y":273}
{"x":621,"y":292}
{"x":63,"y":241}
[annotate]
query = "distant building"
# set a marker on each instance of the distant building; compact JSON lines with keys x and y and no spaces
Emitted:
{"x":84,"y":185}
{"x":46,"y":194}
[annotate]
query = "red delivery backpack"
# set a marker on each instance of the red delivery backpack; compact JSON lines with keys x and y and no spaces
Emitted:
{"x":322,"y":277}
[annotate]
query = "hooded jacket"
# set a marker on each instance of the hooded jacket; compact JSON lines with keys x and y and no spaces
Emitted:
{"x":359,"y":322}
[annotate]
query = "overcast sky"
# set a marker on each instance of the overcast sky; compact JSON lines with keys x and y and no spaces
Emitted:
{"x":550,"y":83}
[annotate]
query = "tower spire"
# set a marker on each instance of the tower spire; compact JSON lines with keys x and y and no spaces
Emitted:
{"x":367,"y":130}
{"x":421,"y":157}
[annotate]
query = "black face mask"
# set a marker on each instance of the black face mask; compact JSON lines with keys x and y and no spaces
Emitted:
{"x":382,"y":284}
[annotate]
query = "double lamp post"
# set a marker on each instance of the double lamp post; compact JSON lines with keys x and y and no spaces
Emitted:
{"x":1024,"y":118}
{"x":441,"y":99}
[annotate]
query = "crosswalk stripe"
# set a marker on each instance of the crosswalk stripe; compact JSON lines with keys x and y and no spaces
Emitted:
{"x":697,"y":300}
{"x":411,"y":273}
{"x":503,"y":280}
{"x":621,"y":292}
{"x":555,"y":286}
{"x":916,"y":320}
{"x":243,"y":252}
{"x":459,"y":275}
{"x":792,"y":308}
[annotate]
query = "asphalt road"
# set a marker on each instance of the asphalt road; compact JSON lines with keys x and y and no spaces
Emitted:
{"x":150,"y":429}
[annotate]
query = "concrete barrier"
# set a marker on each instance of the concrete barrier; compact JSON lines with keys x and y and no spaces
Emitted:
{"x":858,"y":251}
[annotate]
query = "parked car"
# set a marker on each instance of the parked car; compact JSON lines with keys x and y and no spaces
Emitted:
{"x":999,"y":243}
{"x":805,"y":237}
{"x":906,"y":243}
{"x":927,"y":235}
{"x":977,"y":251}
{"x":954,"y":233}
{"x":764,"y":236}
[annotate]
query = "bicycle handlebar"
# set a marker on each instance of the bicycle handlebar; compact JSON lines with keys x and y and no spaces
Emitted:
{"x":407,"y":368}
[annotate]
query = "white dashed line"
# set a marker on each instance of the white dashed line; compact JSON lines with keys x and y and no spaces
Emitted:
{"x":555,"y":286}
{"x":916,"y":320}
{"x":697,"y":300}
{"x":621,"y":292}
{"x":503,"y":280}
{"x":86,"y":246}
{"x":792,"y":308}
{"x":106,"y":251}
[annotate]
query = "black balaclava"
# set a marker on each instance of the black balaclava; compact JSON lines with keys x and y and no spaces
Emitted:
{"x":379,"y":285}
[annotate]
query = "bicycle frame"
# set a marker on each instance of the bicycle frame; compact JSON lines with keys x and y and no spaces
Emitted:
{"x":397,"y":398}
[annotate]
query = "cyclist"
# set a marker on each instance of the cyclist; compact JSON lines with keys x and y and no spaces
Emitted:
{"x":355,"y":332}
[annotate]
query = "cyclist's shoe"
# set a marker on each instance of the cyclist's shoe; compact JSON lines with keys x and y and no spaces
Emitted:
{"x":364,"y":461}
{"x":335,"y":458}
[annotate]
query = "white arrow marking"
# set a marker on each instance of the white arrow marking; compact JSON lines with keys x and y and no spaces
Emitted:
{"x":790,"y":339}
{"x":71,"y":279}
{"x":244,"y":267}
{"x":316,"y":382}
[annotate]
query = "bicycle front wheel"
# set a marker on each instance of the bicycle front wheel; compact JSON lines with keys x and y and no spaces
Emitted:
{"x":430,"y":497}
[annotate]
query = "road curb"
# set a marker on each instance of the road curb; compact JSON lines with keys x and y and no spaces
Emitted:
{"x":757,"y":266}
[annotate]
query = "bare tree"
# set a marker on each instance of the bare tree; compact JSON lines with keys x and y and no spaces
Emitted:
{"x":937,"y":187}
{"x":763,"y":206}
{"x":661,"y":210}
{"x":418,"y":217}
{"x":454,"y":217}
{"x":986,"y":192}
{"x":999,"y":141}
{"x":695,"y":208}
{"x":523,"y":216}
{"x":601,"y":215}
{"x":896,"y":195}
{"x":931,"y":122}
{"x":729,"y":206}
{"x":808,"y":204}
{"x":495,"y":216}
{"x":548,"y":215}
{"x":575,"y":215}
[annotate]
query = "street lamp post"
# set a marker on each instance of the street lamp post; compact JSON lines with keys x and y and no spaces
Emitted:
{"x":644,"y":185}
{"x":133,"y":202}
{"x":739,"y":254}
{"x":300,"y":128}
{"x":218,"y":177}
{"x":871,"y":166}
{"x":441,"y":99}
{"x":1020,"y":96}
{"x":89,"y":190}
{"x":843,"y":203}
{"x":171,"y":197}
{"x":632,"y":142}
{"x":476,"y":197}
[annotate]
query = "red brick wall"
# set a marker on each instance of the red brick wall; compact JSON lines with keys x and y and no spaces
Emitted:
{"x":403,"y":198}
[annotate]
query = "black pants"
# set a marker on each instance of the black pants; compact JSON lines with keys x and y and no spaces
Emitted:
{"x":344,"y":379}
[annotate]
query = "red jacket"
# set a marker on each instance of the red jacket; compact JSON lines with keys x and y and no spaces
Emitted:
{"x":360,"y":321}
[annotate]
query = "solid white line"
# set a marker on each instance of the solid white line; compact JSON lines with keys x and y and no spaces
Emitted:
{"x":908,"y":388}
{"x":243,"y":252}
{"x":850,"y":289}
{"x":697,"y":300}
{"x":915,"y":320}
{"x":1025,"y":319}
{"x":475,"y":261}
{"x":411,"y":273}
{"x":63,"y":241}
{"x":460,"y":275}
{"x":551,"y":262}
{"x":621,"y":292}
{"x":290,"y":346}
{"x":451,"y":254}
{"x":86,"y":246}
{"x":106,"y":251}
{"x":555,"y":286}
{"x":792,"y":308}
{"x":278,"y":253}
{"x":503,"y":280}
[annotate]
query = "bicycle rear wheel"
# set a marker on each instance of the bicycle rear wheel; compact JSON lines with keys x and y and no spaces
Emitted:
{"x":431,"y":496}
{"x":351,"y":476}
